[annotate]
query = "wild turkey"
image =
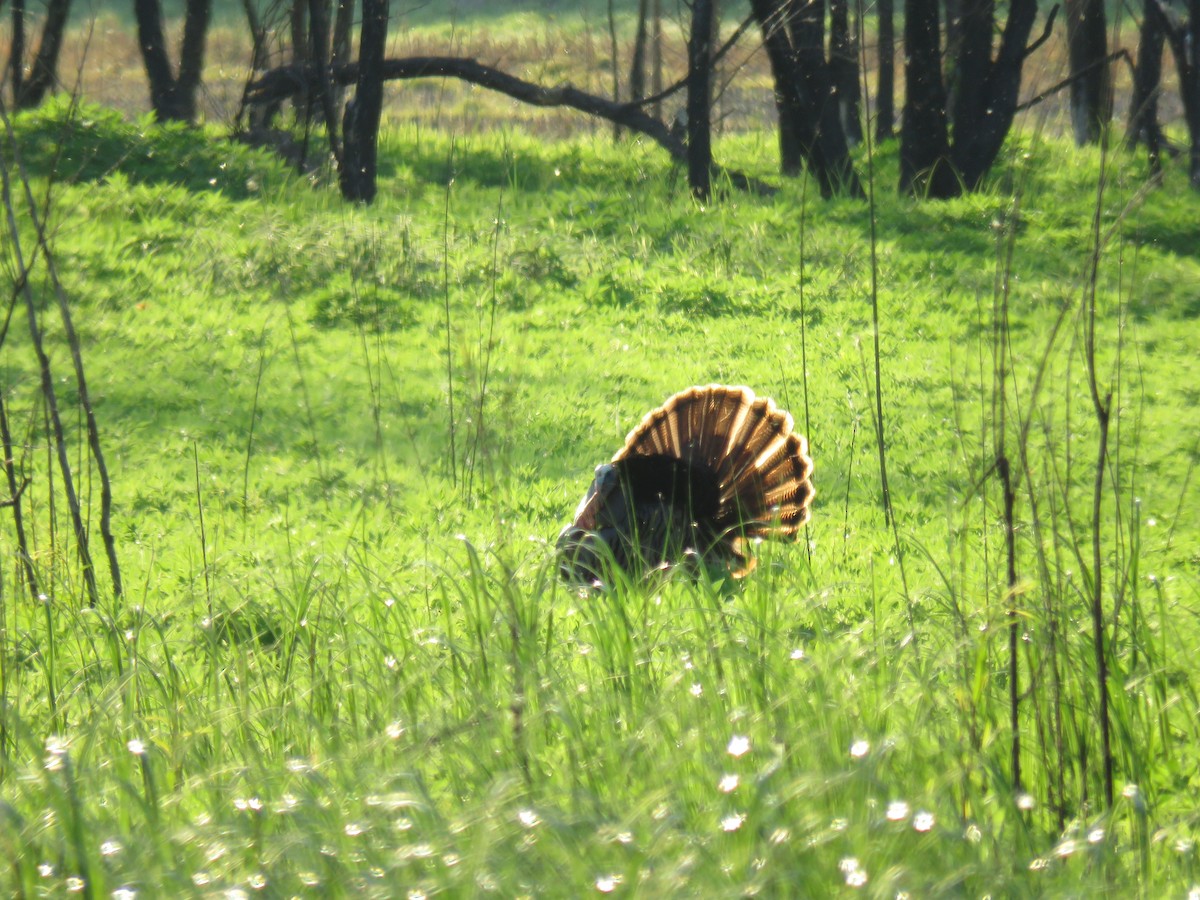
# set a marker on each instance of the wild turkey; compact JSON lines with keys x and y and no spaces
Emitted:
{"x":711,"y":468}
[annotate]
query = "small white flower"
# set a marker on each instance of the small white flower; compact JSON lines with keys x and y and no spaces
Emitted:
{"x":1066,"y":848}
{"x":606,"y":884}
{"x":923,"y":821}
{"x":136,"y":747}
{"x":727,"y":783}
{"x":860,"y":748}
{"x":739,"y":745}
{"x":733,"y":822}
{"x":897,"y":811}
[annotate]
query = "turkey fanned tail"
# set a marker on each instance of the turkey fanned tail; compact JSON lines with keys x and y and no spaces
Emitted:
{"x":701,"y":474}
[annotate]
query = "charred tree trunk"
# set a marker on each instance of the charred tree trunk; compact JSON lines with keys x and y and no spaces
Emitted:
{"x":1091,"y":86}
{"x":173,"y":98}
{"x":343,"y":27}
{"x":656,"y":59}
{"x":360,"y":123}
{"x":16,"y":50}
{"x":1147,"y":78}
{"x":932,"y":160}
{"x":1191,"y":89}
{"x":699,"y":100}
{"x":637,"y":66}
{"x":843,"y":69}
{"x":1183,"y":39}
{"x":809,"y":128}
{"x":924,"y":141}
{"x":885,"y":90}
{"x":319,"y":49}
{"x":43,"y":74}
{"x":979,"y":131}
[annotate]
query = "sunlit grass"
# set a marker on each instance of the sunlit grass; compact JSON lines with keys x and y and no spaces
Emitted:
{"x":367,"y":678}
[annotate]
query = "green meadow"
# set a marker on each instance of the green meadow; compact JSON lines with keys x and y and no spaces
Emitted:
{"x":342,"y":441}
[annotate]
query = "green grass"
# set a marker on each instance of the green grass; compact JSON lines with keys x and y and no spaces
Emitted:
{"x":365,"y":677}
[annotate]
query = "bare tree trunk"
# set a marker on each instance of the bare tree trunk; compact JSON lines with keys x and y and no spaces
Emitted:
{"x":699,"y":99}
{"x":843,"y":68}
{"x":319,"y":49}
{"x":1147,"y":78}
{"x":43,"y":74}
{"x":173,"y":98}
{"x":343,"y":27}
{"x":656,"y":61}
{"x":979,"y":131}
{"x":984,"y":103}
{"x":616,"y":64}
{"x":885,"y":91}
{"x":1091,"y":85}
{"x":809,"y":126}
{"x":16,"y":58}
{"x":924,"y":141}
{"x":360,"y":123}
{"x":1192,"y":89}
{"x":1183,"y":39}
{"x":637,"y":66}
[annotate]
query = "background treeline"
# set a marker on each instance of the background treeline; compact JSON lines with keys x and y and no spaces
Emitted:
{"x":944,"y":77}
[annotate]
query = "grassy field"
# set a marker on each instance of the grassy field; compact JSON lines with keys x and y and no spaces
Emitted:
{"x":342,"y":441}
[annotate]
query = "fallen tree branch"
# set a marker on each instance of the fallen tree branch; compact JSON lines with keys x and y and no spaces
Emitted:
{"x":285,"y":81}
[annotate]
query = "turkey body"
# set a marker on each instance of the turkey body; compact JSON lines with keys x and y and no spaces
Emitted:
{"x":707,"y":470}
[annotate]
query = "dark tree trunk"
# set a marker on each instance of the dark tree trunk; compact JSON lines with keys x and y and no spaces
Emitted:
{"x":637,"y":67}
{"x":980,"y":132}
{"x":43,"y":74}
{"x":968,"y":60}
{"x":319,"y":49}
{"x":173,"y":98}
{"x":191,"y":56}
{"x":616,"y":63}
{"x":984,"y":102}
{"x":809,"y":127}
{"x":1183,"y":39}
{"x":1091,"y":86}
{"x":343,"y":27}
{"x":656,"y":60}
{"x":1191,"y":90}
{"x":298,"y":24}
{"x":924,"y":143}
{"x":360,"y":124}
{"x":16,"y":57}
{"x":1147,"y":78}
{"x":843,"y":68}
{"x":258,"y":37}
{"x":885,"y":91}
{"x":699,"y":99}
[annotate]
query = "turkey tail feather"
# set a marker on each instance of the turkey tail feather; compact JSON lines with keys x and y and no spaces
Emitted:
{"x":761,"y":464}
{"x":705,"y":474}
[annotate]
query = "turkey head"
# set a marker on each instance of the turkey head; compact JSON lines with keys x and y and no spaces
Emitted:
{"x":710,"y":469}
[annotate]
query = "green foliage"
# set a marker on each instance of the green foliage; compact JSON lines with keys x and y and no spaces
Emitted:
{"x":342,"y":442}
{"x":89,"y":143}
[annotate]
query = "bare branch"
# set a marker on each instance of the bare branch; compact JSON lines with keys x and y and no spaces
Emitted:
{"x":285,"y":81}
